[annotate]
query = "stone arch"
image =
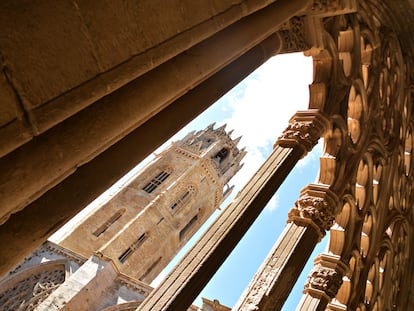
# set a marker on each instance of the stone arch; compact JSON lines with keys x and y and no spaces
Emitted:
{"x":28,"y":288}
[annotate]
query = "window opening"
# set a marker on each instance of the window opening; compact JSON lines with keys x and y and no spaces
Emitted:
{"x":108,"y":223}
{"x":188,"y":226}
{"x":150,"y":269}
{"x":156,"y":181}
{"x":180,"y":201}
{"x":184,"y":197}
{"x":134,"y":246}
{"x":222,"y":154}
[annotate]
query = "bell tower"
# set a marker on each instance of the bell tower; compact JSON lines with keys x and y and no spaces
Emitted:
{"x":145,"y":224}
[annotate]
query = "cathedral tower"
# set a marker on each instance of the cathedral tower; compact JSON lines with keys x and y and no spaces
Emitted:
{"x":144,"y":225}
{"x":111,"y":255}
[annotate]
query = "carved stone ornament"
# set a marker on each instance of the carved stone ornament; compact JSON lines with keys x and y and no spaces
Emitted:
{"x":26,"y":293}
{"x":325,"y":278}
{"x":316,"y":208}
{"x":304,"y":130}
{"x":333,"y":7}
{"x":293,"y":36}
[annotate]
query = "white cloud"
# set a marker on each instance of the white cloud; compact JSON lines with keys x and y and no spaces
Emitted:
{"x":264,"y":104}
{"x":273,"y":203}
{"x":261,"y":108}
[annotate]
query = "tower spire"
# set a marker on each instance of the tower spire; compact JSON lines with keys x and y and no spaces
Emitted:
{"x":237,"y":140}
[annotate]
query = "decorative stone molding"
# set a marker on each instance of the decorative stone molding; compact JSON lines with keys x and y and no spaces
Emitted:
{"x":317,"y":207}
{"x":134,"y":285}
{"x":332,"y":7}
{"x":325,"y":278}
{"x":366,"y":159}
{"x":26,"y":289}
{"x":127,"y":306}
{"x":211,"y":172}
{"x":192,"y":155}
{"x":55,"y":248}
{"x":293,"y":35}
{"x":304,"y":130}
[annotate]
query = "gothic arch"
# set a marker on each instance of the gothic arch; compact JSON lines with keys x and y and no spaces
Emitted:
{"x":28,"y":288}
{"x":367,"y":161}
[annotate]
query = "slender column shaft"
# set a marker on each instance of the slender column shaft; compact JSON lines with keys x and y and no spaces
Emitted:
{"x":29,"y":171}
{"x":275,"y":278}
{"x":27,"y":229}
{"x":188,"y":278}
{"x":309,"y":303}
{"x":323,"y":283}
{"x":312,"y":214}
{"x":273,"y":282}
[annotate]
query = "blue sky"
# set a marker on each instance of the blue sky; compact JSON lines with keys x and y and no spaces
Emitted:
{"x":258,"y":109}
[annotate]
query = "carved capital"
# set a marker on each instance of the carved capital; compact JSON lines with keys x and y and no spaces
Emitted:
{"x":325,"y":278}
{"x":317,"y":207}
{"x":293,"y":35}
{"x":325,"y":8}
{"x":304,"y":130}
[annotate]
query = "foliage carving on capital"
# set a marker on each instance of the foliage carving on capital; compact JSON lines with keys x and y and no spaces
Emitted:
{"x":304,"y":130}
{"x":315,"y":208}
{"x":333,"y":7}
{"x":325,"y":278}
{"x":293,"y":37}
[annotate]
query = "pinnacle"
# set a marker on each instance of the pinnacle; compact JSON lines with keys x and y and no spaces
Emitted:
{"x":236,"y":141}
{"x":222,"y":128}
{"x":211,"y":126}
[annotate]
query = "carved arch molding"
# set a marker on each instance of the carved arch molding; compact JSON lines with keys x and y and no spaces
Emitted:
{"x":26,"y":289}
{"x":363,"y":83}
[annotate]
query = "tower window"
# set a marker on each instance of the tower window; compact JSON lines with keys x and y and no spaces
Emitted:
{"x":187,"y":227}
{"x":222,"y":154}
{"x":180,"y":201}
{"x":108,"y":223}
{"x":134,"y":246}
{"x":184,"y":197}
{"x":149,"y":270}
{"x":156,"y":181}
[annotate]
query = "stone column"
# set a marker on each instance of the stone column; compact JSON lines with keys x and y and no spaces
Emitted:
{"x":189,"y":277}
{"x":312,"y":215}
{"x":323,"y":283}
{"x":80,"y":180}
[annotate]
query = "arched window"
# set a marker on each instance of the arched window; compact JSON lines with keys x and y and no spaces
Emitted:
{"x":222,"y":154}
{"x":184,"y":197}
{"x":156,"y":181}
{"x":108,"y":223}
{"x":134,"y":246}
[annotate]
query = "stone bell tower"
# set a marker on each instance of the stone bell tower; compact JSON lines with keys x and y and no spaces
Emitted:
{"x":106,"y":260}
{"x":144,"y":225}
